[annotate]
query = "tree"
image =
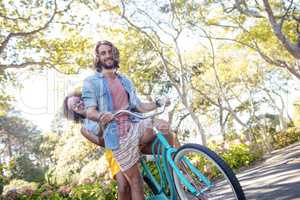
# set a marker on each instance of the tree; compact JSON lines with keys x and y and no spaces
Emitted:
{"x":26,"y":29}
{"x":17,"y":135}
{"x":24,"y":168}
{"x":279,"y":13}
{"x":168,"y":54}
{"x":163,"y":26}
{"x":46,"y":147}
{"x":5,"y":99}
{"x":226,"y":85}
{"x":268,"y":28}
{"x":19,"y":140}
{"x":296,"y":113}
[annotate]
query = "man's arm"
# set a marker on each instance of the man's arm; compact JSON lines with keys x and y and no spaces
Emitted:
{"x":90,"y":102}
{"x":100,"y":117}
{"x":147,"y":107}
{"x":92,"y":138}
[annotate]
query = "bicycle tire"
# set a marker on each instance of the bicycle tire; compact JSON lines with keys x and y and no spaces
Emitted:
{"x":217,"y":164}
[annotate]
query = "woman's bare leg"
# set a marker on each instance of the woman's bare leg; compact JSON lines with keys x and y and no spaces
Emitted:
{"x":124,"y":192}
{"x":149,"y":136}
{"x":135,"y":180}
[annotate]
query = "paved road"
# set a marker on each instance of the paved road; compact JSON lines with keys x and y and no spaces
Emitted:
{"x":277,"y":178}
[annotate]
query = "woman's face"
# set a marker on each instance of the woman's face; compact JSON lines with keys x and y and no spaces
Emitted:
{"x":76,"y":104}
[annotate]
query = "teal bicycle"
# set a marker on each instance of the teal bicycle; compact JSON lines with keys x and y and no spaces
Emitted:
{"x":190,"y":172}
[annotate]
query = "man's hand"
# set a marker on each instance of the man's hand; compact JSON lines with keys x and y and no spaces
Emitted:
{"x":105,"y":118}
{"x":163,"y":101}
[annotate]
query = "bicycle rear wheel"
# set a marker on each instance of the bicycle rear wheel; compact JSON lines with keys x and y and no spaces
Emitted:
{"x":207,"y":173}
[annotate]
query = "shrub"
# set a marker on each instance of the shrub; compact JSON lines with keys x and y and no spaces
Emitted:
{"x":46,"y":192}
{"x":93,"y":191}
{"x":20,"y":186}
{"x":90,"y":191}
{"x":239,"y":155}
{"x":64,"y":191}
{"x":1,"y":185}
{"x":11,"y":195}
{"x":285,"y":138}
{"x":25,"y":169}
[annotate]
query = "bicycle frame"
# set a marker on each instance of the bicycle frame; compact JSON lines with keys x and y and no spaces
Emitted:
{"x":162,"y":151}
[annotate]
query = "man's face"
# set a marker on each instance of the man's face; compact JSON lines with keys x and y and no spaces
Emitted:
{"x":106,"y":56}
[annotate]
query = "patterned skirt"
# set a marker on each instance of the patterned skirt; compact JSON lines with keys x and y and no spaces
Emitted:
{"x":129,"y":152}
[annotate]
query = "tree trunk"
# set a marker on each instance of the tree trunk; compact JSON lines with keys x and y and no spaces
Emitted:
{"x":9,"y":149}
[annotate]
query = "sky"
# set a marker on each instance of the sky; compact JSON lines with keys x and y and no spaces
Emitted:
{"x":42,"y":94}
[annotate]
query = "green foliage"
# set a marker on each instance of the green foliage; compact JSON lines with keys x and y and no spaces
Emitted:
{"x":6,"y":79}
{"x":18,"y":128}
{"x":1,"y":185}
{"x":153,"y":169}
{"x":239,"y":155}
{"x":285,"y":138}
{"x":52,"y":35}
{"x":20,"y":139}
{"x":63,"y":46}
{"x":25,"y":169}
{"x":262,"y":32}
{"x":74,"y":158}
{"x":45,"y":192}
{"x":139,"y":61}
{"x":230,"y":136}
{"x":49,"y":178}
{"x":92,"y":191}
{"x":47,"y":145}
{"x":202,"y":163}
{"x":68,"y":54}
{"x":296,"y":112}
{"x":3,"y":178}
{"x":236,"y":156}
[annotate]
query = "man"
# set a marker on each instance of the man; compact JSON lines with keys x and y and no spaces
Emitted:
{"x":108,"y":91}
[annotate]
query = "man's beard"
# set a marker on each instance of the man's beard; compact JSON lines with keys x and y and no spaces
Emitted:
{"x":112,"y":66}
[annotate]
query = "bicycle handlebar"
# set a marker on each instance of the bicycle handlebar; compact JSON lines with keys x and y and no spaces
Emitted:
{"x":140,"y":116}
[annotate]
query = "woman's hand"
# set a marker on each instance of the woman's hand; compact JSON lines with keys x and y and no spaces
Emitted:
{"x":105,"y":118}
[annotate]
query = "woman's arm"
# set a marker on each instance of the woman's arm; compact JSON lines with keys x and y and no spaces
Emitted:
{"x":92,"y":138}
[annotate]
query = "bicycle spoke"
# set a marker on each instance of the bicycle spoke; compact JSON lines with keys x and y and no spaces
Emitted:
{"x":207,"y":173}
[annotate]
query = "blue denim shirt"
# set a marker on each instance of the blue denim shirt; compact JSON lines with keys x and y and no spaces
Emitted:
{"x":96,"y":93}
{"x":91,"y":126}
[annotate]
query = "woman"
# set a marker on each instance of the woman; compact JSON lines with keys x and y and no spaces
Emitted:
{"x":73,"y":108}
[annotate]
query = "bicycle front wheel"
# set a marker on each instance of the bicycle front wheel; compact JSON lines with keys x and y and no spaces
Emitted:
{"x":207,"y":173}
